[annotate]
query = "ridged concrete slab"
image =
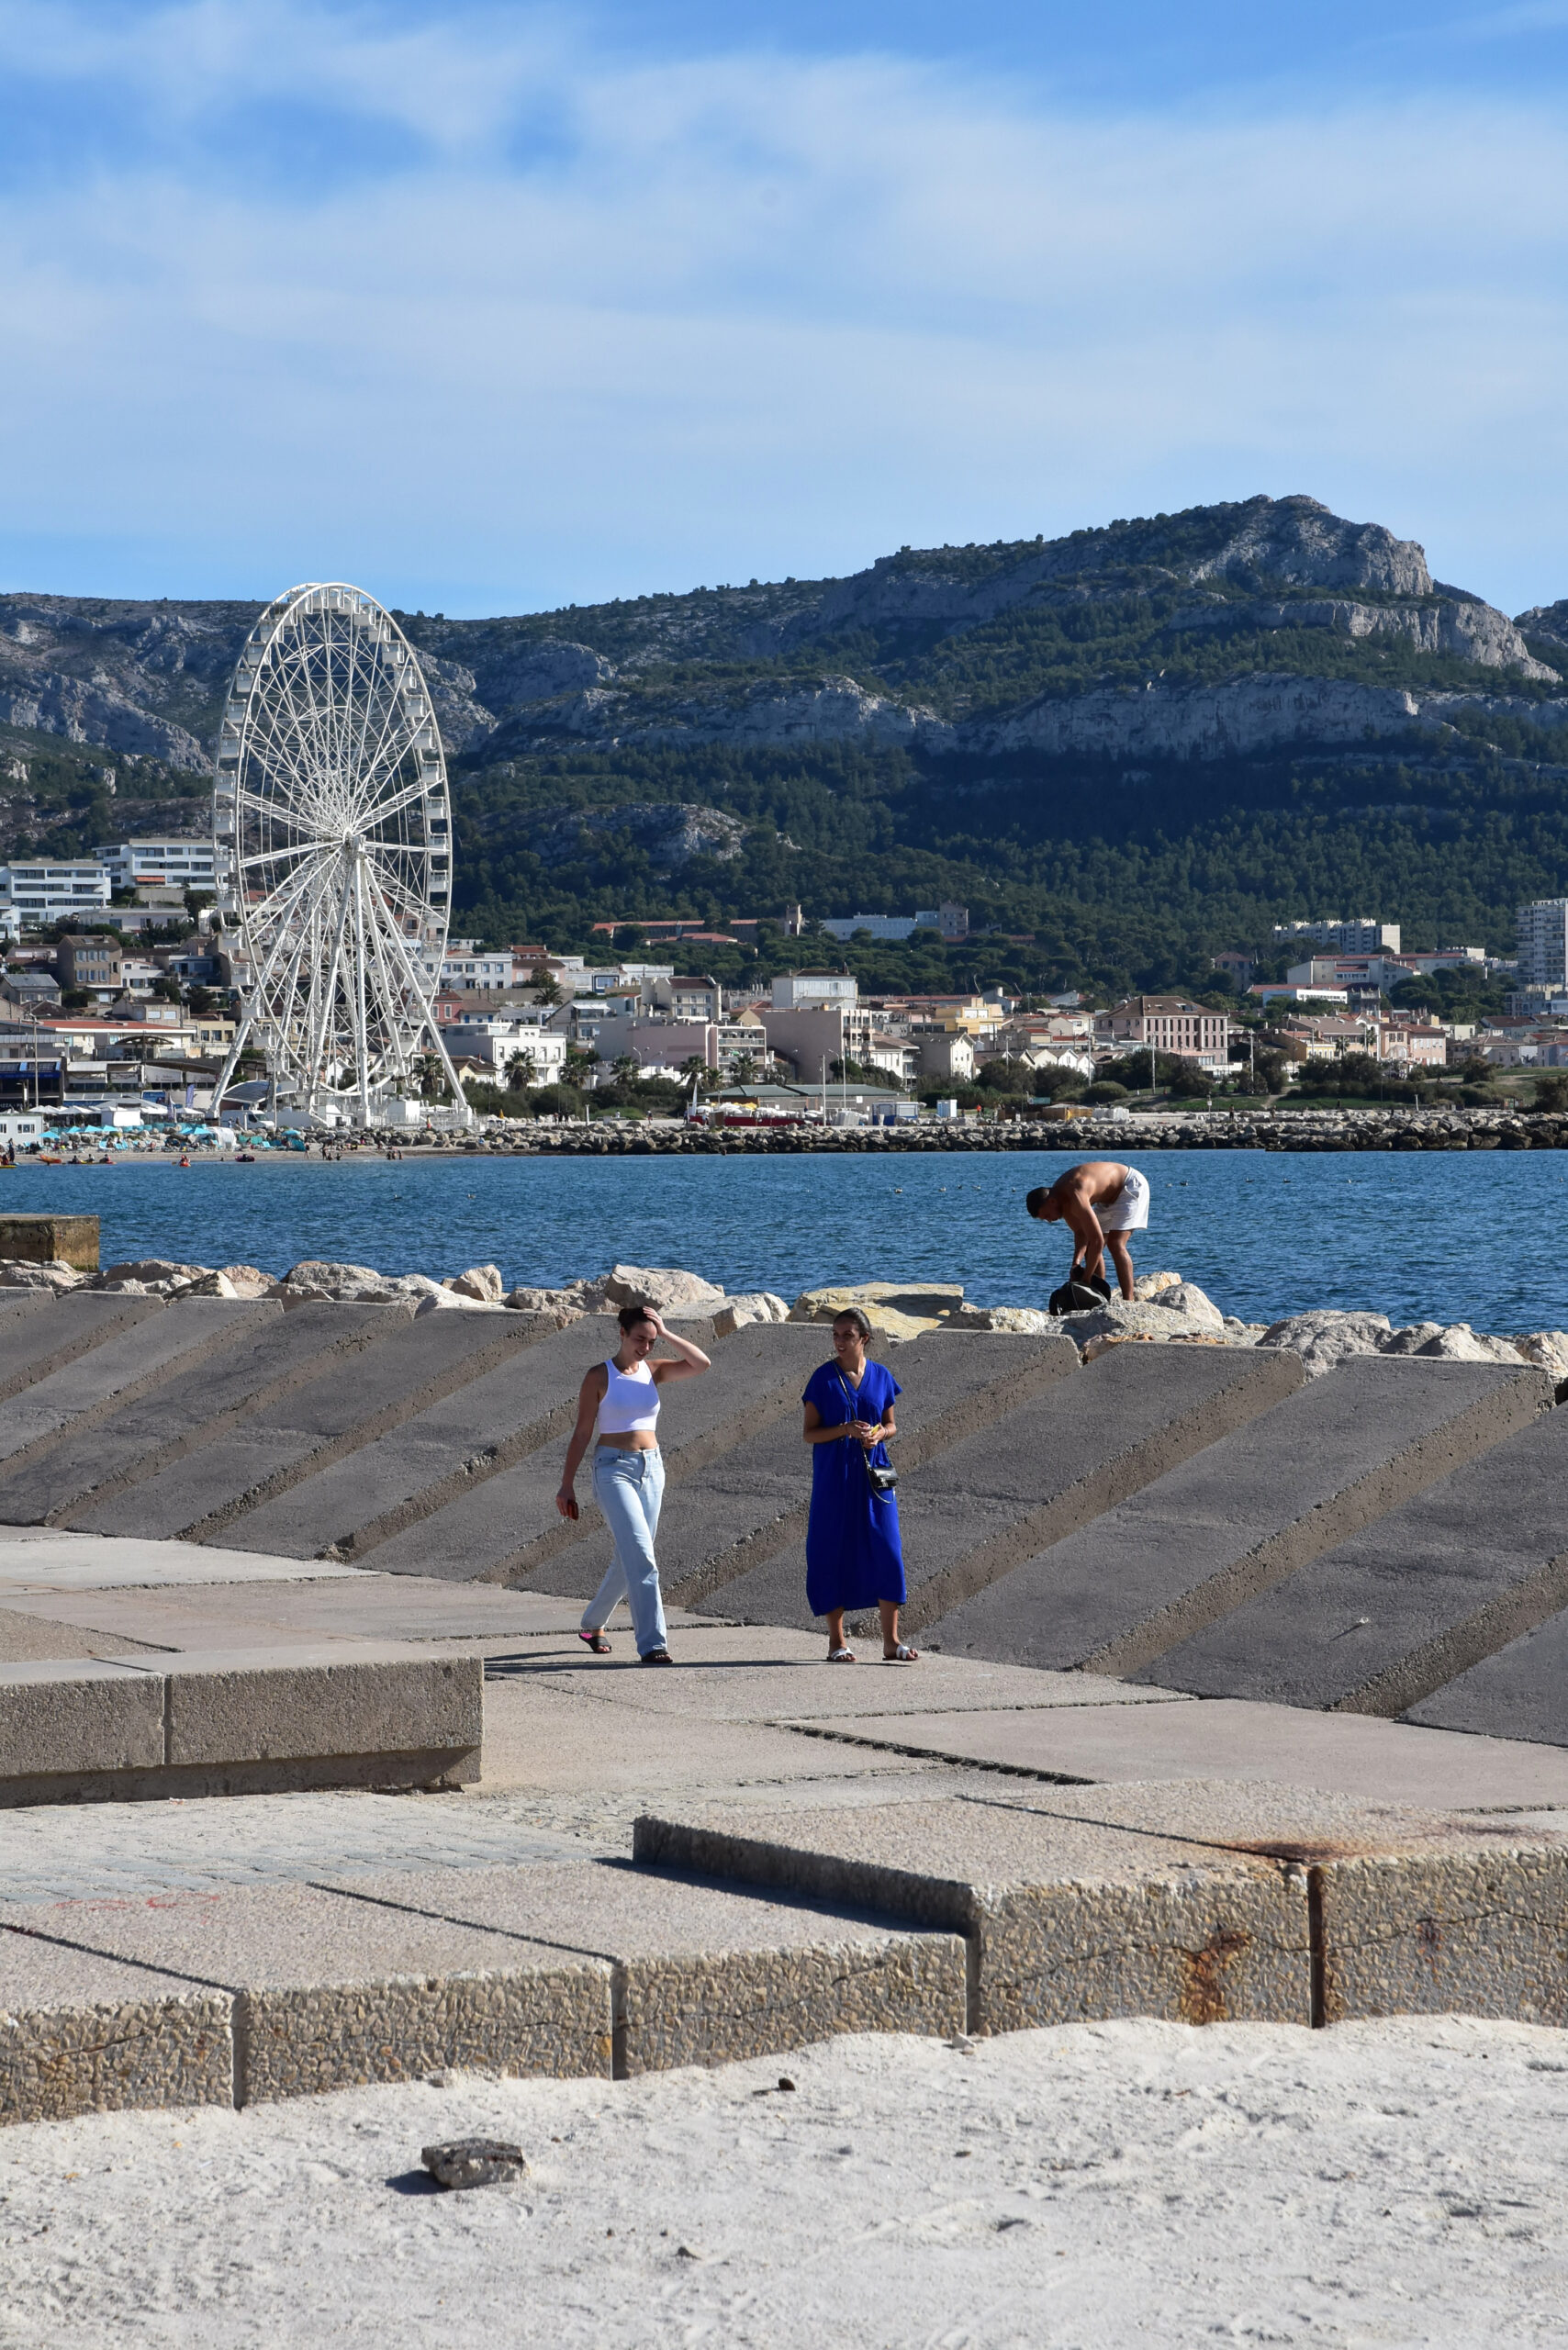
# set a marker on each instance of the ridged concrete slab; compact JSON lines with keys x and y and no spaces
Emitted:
{"x":81,"y":1478}
{"x":441,"y":1452}
{"x":81,"y":2033}
{"x":1230,"y":1739}
{"x":65,"y":1410}
{"x":1066,"y":1923}
{"x":507,"y":1529}
{"x":752,"y":1504}
{"x":1041,"y":1472}
{"x":47,"y":1341}
{"x":17,"y":1304}
{"x":331,"y":1993}
{"x":1522,"y":1692}
{"x":1380,"y":1622}
{"x":705,"y":1973}
{"x":1246,"y":1512}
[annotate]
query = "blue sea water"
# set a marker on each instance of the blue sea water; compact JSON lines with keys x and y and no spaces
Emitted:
{"x":1449,"y":1237}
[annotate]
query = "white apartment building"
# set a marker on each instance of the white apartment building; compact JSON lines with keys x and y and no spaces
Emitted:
{"x":40,"y":892}
{"x":814,"y":991}
{"x":1544,"y":943}
{"x":1363,"y":936}
{"x":170,"y":863}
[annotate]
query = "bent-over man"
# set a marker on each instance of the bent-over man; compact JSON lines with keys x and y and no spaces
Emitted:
{"x":1102,"y":1202}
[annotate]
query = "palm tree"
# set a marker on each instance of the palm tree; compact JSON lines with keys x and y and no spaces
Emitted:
{"x":521,"y":1070}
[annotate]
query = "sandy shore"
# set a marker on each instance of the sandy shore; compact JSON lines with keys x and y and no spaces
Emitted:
{"x":1398,"y":2183}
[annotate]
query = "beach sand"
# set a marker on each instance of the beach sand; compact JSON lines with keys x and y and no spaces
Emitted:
{"x":1127,"y":2183}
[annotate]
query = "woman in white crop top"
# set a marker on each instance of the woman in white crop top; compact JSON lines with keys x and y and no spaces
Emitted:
{"x":620,"y":1397}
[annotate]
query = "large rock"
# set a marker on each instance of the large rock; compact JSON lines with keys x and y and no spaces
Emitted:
{"x":1186,"y":1298}
{"x":483,"y":1283}
{"x":249,"y":1280}
{"x":1547,"y":1350}
{"x":894,"y":1310}
{"x":1325,"y":1336}
{"x":317,"y":1277}
{"x":565,"y":1303}
{"x":1121,"y":1317}
{"x":752,"y":1305}
{"x":1019,"y":1321}
{"x":17,"y":1273}
{"x":159,"y":1274}
{"x":1148,"y":1286}
{"x":1459,"y":1343}
{"x":664,"y":1287}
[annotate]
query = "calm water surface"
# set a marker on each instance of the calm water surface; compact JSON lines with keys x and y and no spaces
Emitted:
{"x":1449,"y":1237}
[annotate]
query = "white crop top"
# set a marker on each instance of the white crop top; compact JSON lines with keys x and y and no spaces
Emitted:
{"x":631,"y":1401}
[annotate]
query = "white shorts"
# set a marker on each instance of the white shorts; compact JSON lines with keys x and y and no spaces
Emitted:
{"x":1130,"y":1213}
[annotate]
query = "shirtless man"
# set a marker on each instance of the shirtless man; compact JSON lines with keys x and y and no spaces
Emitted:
{"x":1101,"y":1202}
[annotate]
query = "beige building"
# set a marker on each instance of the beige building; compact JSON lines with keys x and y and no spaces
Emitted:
{"x":1171,"y":1024}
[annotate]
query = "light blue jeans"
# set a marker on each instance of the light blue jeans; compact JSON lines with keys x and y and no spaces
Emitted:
{"x":629,"y":1487}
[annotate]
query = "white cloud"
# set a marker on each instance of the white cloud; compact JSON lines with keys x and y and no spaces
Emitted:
{"x":753,"y":315}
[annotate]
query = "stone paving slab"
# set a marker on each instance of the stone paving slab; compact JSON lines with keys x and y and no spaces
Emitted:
{"x":769,"y":1674}
{"x":84,"y":1477}
{"x":77,"y":1719}
{"x":1065,"y":1922}
{"x":48,"y":1342}
{"x":81,"y":2033}
{"x":37,"y":1562}
{"x":1233,"y":1738}
{"x":64,"y":1411}
{"x":752,"y":1502}
{"x":1246,"y":1512}
{"x":705,"y":1973}
{"x":1041,"y":1472}
{"x":506,"y":1530}
{"x":1521,"y":1692}
{"x":1381,"y":1621}
{"x":331,"y":1993}
{"x":34,"y":1638}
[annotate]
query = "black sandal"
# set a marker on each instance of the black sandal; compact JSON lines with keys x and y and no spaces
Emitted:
{"x":658,"y":1656}
{"x":596,"y":1641}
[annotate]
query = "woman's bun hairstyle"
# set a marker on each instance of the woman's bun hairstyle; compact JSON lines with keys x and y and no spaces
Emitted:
{"x":638,"y":1311}
{"x":862,"y":1321}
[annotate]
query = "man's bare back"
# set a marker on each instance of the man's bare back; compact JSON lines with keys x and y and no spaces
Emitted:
{"x":1101,"y":1202}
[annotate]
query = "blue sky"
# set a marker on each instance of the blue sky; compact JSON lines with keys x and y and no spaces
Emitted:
{"x":497,"y":307}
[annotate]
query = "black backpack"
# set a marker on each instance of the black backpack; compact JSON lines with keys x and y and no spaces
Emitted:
{"x":1080,"y":1294}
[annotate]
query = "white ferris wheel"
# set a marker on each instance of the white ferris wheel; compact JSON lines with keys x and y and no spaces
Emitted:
{"x":333,"y":838}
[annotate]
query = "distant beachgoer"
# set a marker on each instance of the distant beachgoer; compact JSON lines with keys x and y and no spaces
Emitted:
{"x":854,"y":1552}
{"x":1102,"y":1202}
{"x":621,"y":1395}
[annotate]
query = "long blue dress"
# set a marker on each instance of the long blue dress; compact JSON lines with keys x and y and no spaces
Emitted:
{"x":853,"y":1555}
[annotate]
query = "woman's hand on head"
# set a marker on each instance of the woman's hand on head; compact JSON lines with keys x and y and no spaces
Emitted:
{"x":655,"y":1322}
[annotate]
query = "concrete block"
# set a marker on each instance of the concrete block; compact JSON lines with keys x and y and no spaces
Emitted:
{"x":38,"y":1561}
{"x":1245,"y":1513}
{"x":1065,"y":1922}
{"x":753,"y":1503}
{"x":81,"y":2033}
{"x":332,"y":1993}
{"x":339,"y":1383}
{"x":507,"y":1529}
{"x":1378,"y":1623}
{"x":47,"y":1341}
{"x":1522,"y":1692}
{"x":72,"y":1716}
{"x":1043,"y":1470}
{"x":1228,"y":1739}
{"x":55,"y":1434}
{"x":705,"y":1974}
{"x":344,"y":1698}
{"x":51,"y":1240}
{"x":443,"y":1451}
{"x":16,"y":1305}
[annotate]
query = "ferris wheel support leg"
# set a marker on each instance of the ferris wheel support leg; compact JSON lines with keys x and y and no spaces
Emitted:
{"x":232,"y":1063}
{"x":459,"y":1099}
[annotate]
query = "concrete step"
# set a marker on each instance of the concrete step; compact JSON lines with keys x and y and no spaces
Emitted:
{"x":81,"y":2033}
{"x":46,"y":1341}
{"x":704,"y":1973}
{"x":1380,"y":1622}
{"x":507,"y":1529}
{"x":328,"y":1992}
{"x":1065,"y":1923}
{"x":206,"y":1493}
{"x":239,"y":1720}
{"x":268,"y":1358}
{"x":1245,"y":1513}
{"x":753,"y":1502}
{"x":1042,"y":1471}
{"x":55,"y":1425}
{"x":446,"y":1450}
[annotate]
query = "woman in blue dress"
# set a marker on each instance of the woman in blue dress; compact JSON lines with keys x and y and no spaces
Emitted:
{"x":854,"y":1556}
